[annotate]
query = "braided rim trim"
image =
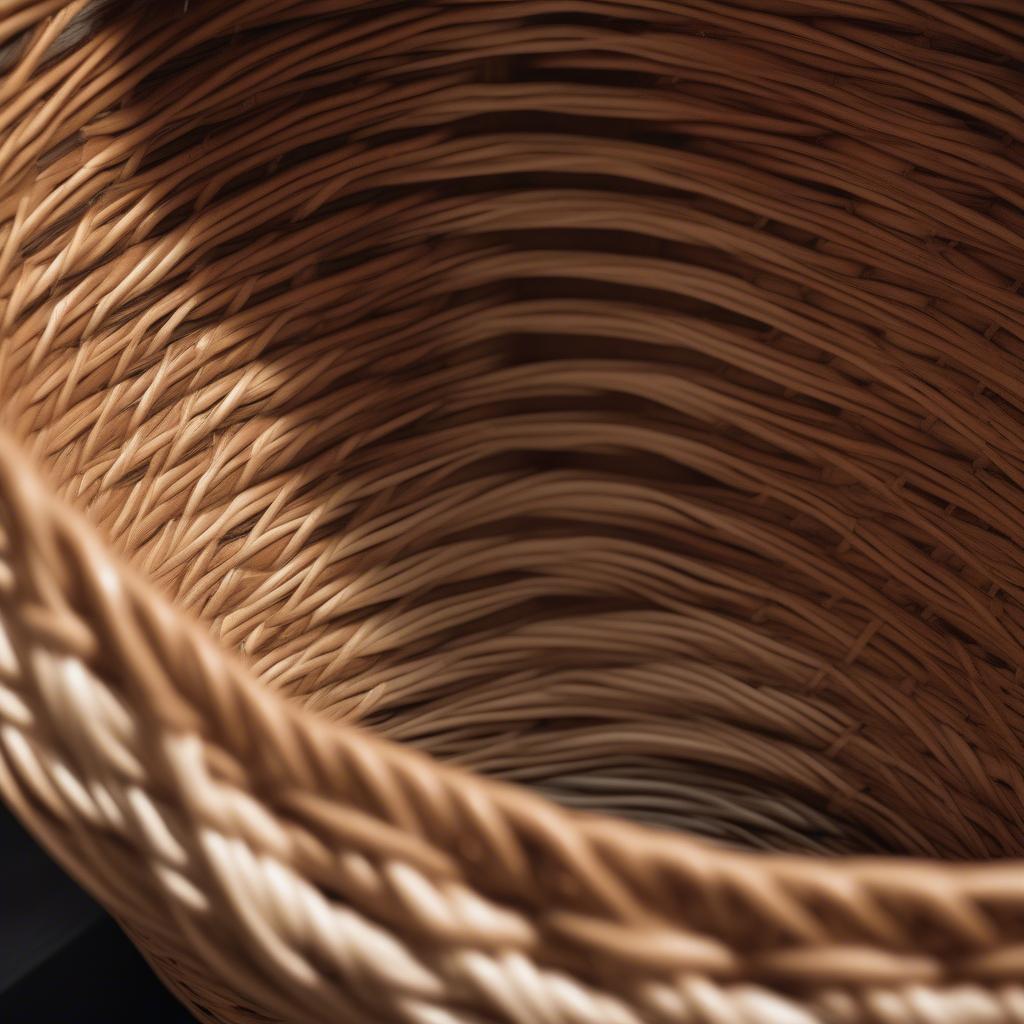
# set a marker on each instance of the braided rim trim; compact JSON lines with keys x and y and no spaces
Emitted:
{"x":263,"y":771}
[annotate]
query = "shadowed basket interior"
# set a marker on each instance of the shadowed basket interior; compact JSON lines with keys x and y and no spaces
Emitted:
{"x":623,"y":400}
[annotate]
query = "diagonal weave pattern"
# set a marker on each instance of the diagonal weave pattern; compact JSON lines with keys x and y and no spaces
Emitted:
{"x":618,"y":400}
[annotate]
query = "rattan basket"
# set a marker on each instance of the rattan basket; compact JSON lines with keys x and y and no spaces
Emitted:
{"x":510,"y":510}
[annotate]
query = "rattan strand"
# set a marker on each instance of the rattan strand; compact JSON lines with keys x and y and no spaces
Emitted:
{"x":436,"y":434}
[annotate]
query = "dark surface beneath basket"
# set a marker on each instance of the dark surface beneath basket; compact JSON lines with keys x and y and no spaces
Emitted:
{"x":62,"y":959}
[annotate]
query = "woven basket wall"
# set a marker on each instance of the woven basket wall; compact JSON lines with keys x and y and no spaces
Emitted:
{"x":510,"y":511}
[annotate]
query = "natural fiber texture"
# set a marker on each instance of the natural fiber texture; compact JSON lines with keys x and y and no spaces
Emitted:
{"x":623,"y":399}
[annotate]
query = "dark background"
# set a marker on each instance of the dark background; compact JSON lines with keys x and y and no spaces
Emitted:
{"x":62,"y":959}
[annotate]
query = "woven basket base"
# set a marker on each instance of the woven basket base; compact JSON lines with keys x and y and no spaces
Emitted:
{"x":510,"y":383}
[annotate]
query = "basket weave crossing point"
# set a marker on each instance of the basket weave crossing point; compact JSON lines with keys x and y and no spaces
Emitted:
{"x":511,"y":512}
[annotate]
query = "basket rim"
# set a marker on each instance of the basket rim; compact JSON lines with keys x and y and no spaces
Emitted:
{"x":835,"y":920}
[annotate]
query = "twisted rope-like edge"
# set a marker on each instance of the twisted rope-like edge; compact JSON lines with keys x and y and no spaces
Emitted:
{"x":656,"y":903}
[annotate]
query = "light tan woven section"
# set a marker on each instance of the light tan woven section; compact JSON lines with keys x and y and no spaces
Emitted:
{"x":618,"y":400}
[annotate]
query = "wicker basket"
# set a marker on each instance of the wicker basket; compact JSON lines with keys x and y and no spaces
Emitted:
{"x":471,"y":468}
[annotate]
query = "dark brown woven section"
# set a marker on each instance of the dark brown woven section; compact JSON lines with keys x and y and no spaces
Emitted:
{"x":622,"y":400}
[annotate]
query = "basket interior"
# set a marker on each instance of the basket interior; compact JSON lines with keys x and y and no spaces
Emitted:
{"x":625,"y":402}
